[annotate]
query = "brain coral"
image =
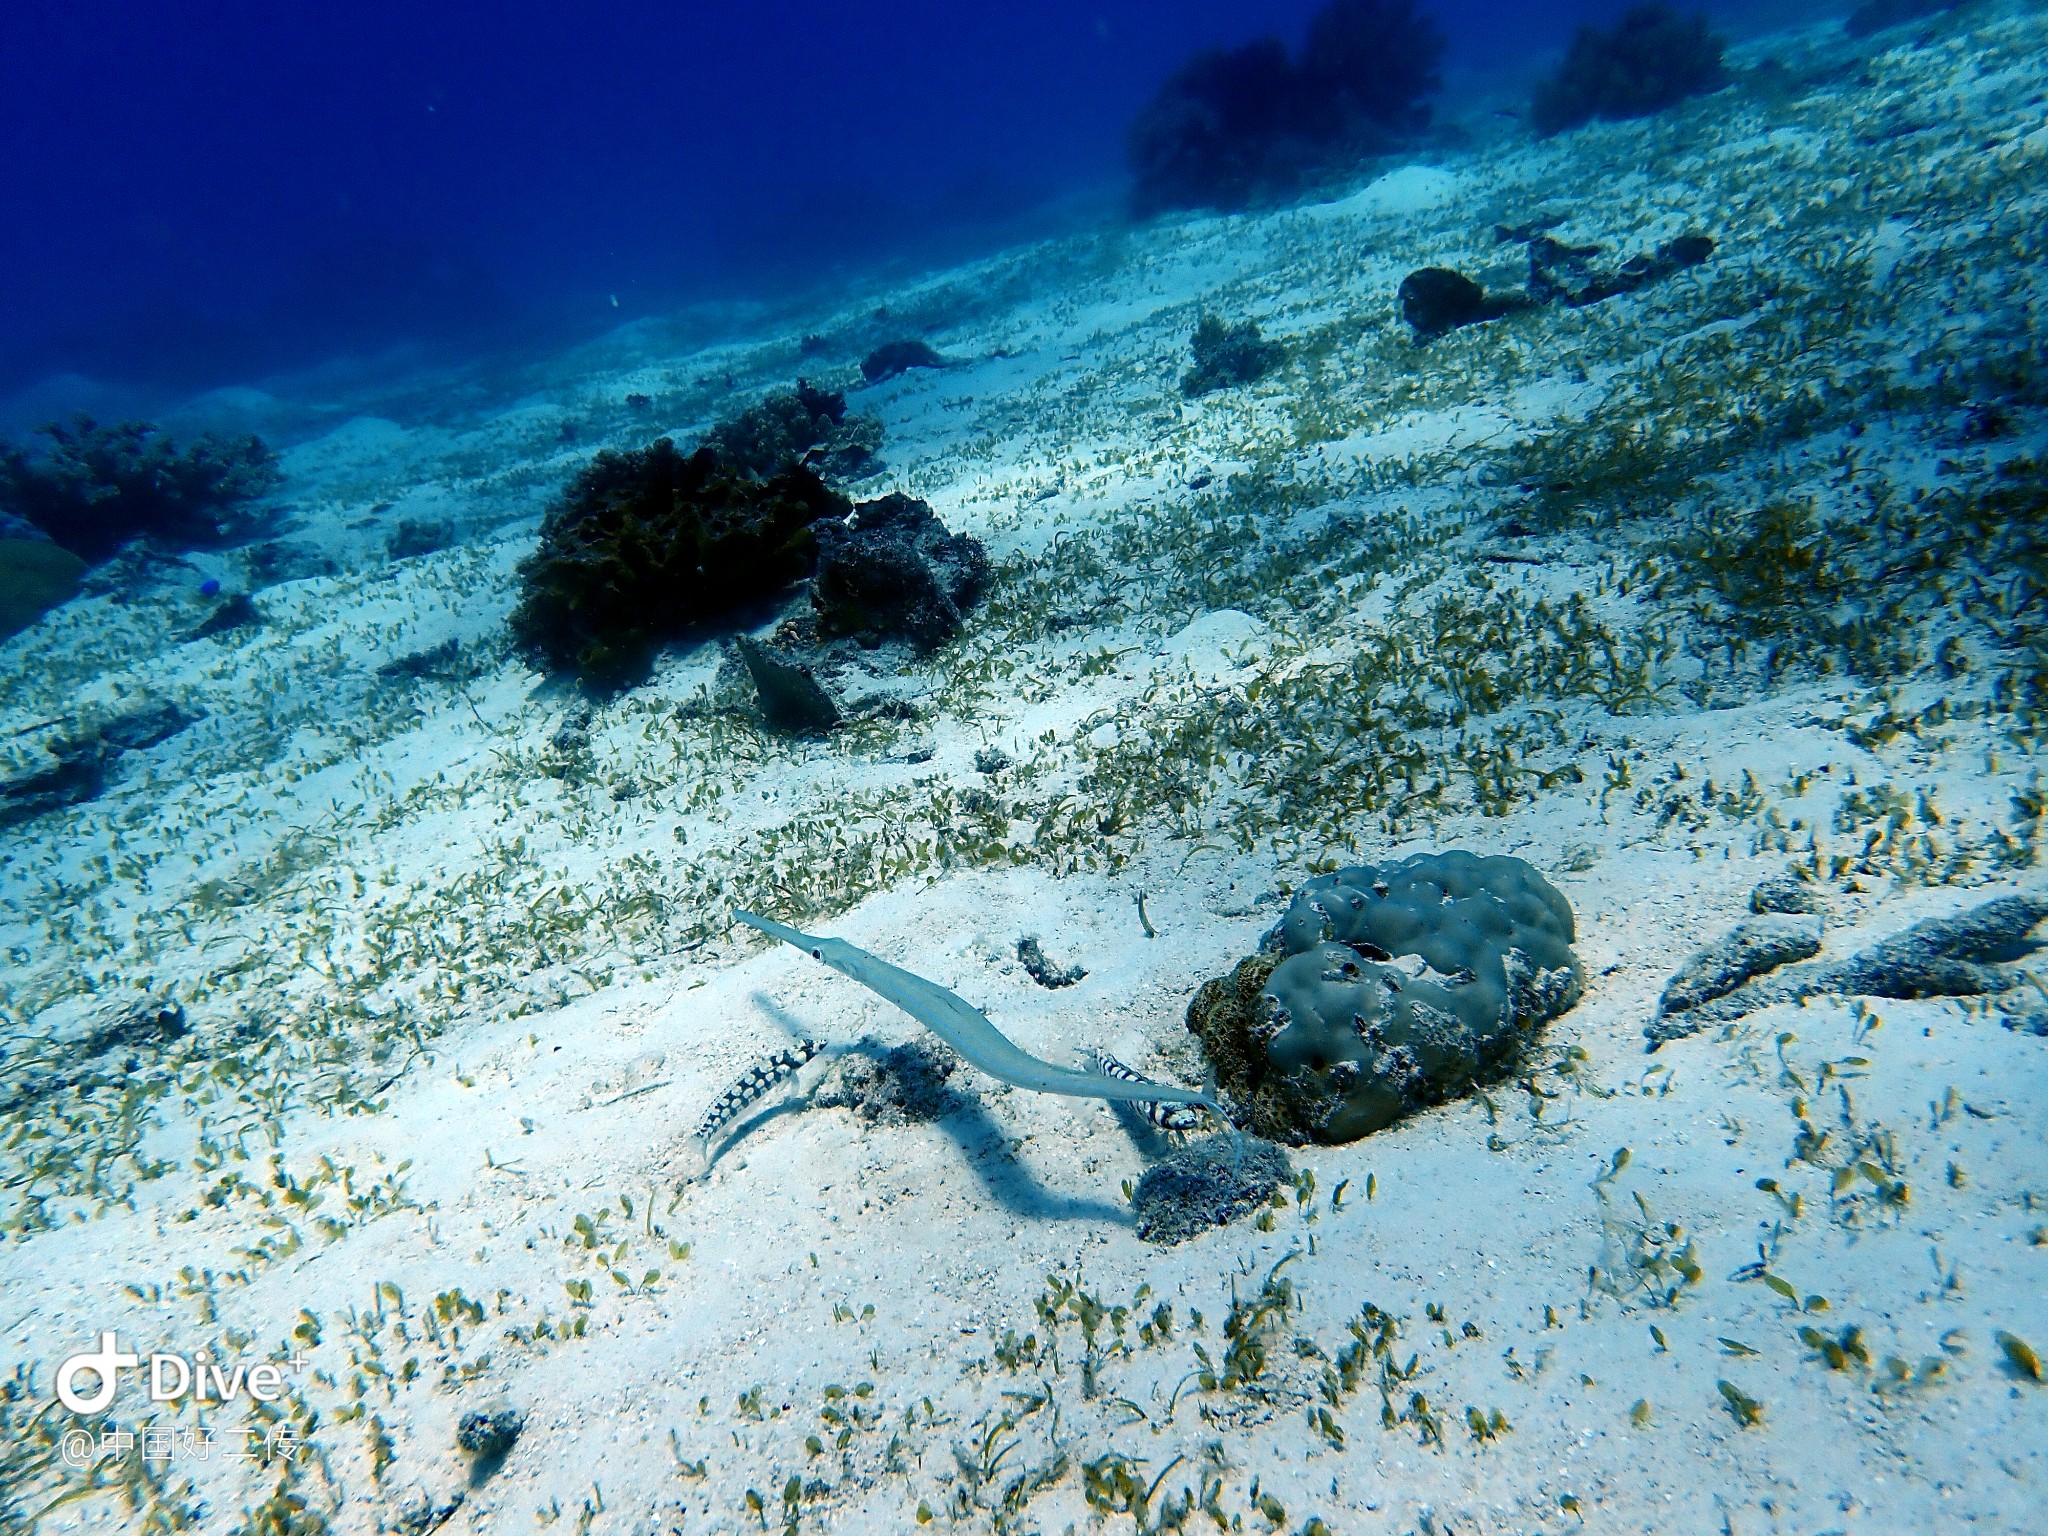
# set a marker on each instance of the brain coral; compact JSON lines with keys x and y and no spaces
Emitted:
{"x":1387,"y":988}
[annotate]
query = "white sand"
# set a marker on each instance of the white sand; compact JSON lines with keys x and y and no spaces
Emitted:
{"x":521,"y":959}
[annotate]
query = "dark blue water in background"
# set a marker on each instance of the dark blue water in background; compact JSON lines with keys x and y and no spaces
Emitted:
{"x":204,"y":194}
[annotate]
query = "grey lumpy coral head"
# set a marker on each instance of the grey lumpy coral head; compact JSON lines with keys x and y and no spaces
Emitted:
{"x":1385,"y":988}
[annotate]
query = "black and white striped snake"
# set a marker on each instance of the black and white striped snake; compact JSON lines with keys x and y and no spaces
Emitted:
{"x":1167,"y":1117}
{"x":753,"y":1083}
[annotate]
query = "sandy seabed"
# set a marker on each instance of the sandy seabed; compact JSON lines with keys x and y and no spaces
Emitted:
{"x":458,"y":985}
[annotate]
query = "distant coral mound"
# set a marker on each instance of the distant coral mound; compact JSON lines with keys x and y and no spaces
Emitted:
{"x":1651,"y":59}
{"x":98,"y":487}
{"x":1231,"y":126}
{"x":645,"y":544}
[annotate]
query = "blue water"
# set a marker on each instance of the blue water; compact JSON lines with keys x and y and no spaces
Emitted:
{"x":202,"y":195}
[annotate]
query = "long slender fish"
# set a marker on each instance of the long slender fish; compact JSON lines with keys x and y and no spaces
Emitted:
{"x":968,"y":1032}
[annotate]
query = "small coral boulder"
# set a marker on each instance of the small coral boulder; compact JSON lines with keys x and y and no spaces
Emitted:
{"x":1385,"y":989}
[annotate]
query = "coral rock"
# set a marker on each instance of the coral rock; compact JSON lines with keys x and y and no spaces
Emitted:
{"x":893,"y":571}
{"x":1385,"y":989}
{"x":1208,"y":1184}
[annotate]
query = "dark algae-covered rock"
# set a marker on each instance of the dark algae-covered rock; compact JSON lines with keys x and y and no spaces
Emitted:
{"x":1227,"y":355}
{"x":1042,"y":970}
{"x":1437,"y":299}
{"x":1385,"y":989}
{"x":1209,"y":1183}
{"x":646,"y":544}
{"x":238,"y":611}
{"x":77,"y":772}
{"x":804,"y":425}
{"x":892,"y":571}
{"x":484,"y":1433}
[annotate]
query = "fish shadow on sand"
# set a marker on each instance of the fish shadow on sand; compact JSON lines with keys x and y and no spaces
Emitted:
{"x":993,"y":1155}
{"x":988,"y":1149}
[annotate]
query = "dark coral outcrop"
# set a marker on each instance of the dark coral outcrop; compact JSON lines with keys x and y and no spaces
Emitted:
{"x":1231,"y":126}
{"x":98,"y":487}
{"x":1651,"y":59}
{"x":647,"y":544}
{"x":892,"y":571}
